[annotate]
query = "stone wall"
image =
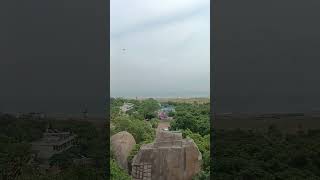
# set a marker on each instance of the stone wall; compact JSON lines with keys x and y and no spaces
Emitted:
{"x":169,"y":158}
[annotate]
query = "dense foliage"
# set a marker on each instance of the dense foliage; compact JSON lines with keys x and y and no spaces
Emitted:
{"x":140,"y":121}
{"x":193,"y":120}
{"x":148,"y":108}
{"x":141,"y":110}
{"x":117,"y":173}
{"x":134,"y":121}
{"x":140,"y":129}
{"x":15,"y":150}
{"x":73,"y":172}
{"x":154,"y":122}
{"x":194,"y":117}
{"x":250,"y":155}
{"x":19,"y":130}
{"x":16,"y":135}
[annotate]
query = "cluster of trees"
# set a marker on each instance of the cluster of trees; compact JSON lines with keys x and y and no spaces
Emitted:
{"x":78,"y":172}
{"x":191,"y":119}
{"x":16,"y":134}
{"x":21,"y":130}
{"x":141,"y":130}
{"x":273,"y":154}
{"x":194,"y":122}
{"x":134,"y":122}
{"x":144,"y":109}
{"x":15,"y":149}
{"x":117,"y":172}
{"x":195,"y":117}
{"x":91,"y":143}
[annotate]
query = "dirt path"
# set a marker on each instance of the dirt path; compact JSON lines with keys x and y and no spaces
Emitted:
{"x":163,"y":124}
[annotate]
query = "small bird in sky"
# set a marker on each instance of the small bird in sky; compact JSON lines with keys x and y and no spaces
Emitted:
{"x":123,"y":49}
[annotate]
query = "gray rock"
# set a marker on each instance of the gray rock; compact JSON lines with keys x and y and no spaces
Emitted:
{"x":121,"y":145}
{"x":168,"y":158}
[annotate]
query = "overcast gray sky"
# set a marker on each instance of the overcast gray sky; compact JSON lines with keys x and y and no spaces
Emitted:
{"x":167,"y":48}
{"x":266,"y":55}
{"x":53,"y":56}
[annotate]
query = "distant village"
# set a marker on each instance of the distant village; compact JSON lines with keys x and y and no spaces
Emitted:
{"x":162,"y":114}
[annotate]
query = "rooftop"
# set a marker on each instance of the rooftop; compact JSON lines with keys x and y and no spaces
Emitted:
{"x":54,"y":138}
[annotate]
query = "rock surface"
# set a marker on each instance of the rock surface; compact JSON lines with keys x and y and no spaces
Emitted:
{"x":168,"y":158}
{"x":121,"y":145}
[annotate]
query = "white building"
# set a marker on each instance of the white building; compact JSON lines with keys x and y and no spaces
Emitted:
{"x":53,"y":142}
{"x":126,"y":107}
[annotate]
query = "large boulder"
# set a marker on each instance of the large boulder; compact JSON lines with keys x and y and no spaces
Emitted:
{"x":121,"y":145}
{"x":169,"y":157}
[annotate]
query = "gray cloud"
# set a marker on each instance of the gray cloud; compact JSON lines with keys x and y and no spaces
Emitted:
{"x":167,"y":48}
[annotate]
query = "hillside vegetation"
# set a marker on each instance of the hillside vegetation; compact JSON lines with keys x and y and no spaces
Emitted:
{"x":273,"y":154}
{"x":15,"y":150}
{"x":191,"y":118}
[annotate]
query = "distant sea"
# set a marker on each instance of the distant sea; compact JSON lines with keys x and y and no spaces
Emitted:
{"x":162,"y":95}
